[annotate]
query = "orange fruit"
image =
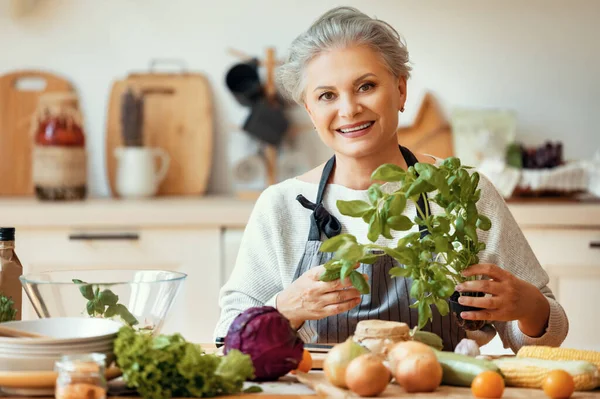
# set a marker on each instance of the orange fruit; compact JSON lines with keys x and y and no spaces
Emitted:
{"x":488,"y":384}
{"x":305,"y":364}
{"x":558,"y":384}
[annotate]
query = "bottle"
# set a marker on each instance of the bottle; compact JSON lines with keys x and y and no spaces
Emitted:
{"x":59,"y":156}
{"x":81,"y":376}
{"x":11,"y":292}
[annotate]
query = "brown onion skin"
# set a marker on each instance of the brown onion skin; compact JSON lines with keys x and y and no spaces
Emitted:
{"x":367,"y":375}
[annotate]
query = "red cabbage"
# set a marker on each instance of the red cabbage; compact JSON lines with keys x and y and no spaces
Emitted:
{"x":268,"y":338}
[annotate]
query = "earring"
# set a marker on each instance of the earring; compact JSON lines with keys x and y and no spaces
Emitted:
{"x":402,"y":109}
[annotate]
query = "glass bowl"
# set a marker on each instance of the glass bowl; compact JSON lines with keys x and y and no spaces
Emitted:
{"x":139,"y":298}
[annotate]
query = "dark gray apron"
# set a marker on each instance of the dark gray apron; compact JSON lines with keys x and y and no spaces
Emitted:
{"x":389,"y":298}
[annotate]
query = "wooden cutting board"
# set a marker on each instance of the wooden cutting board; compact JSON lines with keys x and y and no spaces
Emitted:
{"x":178,"y":117}
{"x":430,"y":133}
{"x":318,"y":382}
{"x":17,"y":107}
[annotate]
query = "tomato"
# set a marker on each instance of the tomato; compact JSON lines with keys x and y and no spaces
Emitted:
{"x":305,"y":364}
{"x":488,"y":384}
{"x":558,"y":384}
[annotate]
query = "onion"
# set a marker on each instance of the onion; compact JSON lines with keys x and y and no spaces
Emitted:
{"x":402,"y":350}
{"x":367,"y":376}
{"x":337,"y":361}
{"x":419,"y":373}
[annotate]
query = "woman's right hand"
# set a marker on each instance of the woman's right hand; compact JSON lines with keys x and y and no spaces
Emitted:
{"x":308,"y":298}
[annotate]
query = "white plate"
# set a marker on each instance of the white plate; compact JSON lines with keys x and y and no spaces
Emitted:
{"x":64,"y":330}
{"x":28,"y":352}
{"x":36,"y":363}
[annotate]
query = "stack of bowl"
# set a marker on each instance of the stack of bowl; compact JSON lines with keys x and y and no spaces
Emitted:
{"x":61,"y":336}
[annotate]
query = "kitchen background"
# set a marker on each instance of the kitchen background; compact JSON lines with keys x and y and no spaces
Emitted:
{"x":538,"y":58}
{"x":489,"y":76}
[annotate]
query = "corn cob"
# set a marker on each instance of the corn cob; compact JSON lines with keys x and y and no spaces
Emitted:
{"x":530,"y":373}
{"x":550,"y":353}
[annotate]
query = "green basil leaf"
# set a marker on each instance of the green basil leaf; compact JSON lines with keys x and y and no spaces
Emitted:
{"x":86,"y":290}
{"x":470,"y":232}
{"x":484,"y":223}
{"x":481,"y":246}
{"x":98,"y":308}
{"x":332,"y":264}
{"x":442,"y":306}
{"x":389,"y":173}
{"x":386,"y":231}
{"x":107,"y":298}
{"x":474,"y":180}
{"x":397,"y":205}
{"x":334,"y":243}
{"x":407,"y":239}
{"x":350,"y":252}
{"x":374,"y":228}
{"x":111,"y":311}
{"x":353,"y":208}
{"x":374,"y":193}
{"x":442,"y":244}
{"x":397,"y":271}
{"x":368,"y":215}
{"x":127,"y":317}
{"x":472,"y":212}
{"x":460,"y":226}
{"x":451,"y":163}
{"x":347,"y":268}
{"x":402,"y":255}
{"x":330,"y":275}
{"x":400,"y":223}
{"x":90,"y":307}
{"x":416,"y":289}
{"x":476,"y":196}
{"x":359,"y":282}
{"x":419,"y":187}
{"x":424,"y":314}
{"x":425,"y":170}
{"x":443,"y":224}
{"x":369,"y":259}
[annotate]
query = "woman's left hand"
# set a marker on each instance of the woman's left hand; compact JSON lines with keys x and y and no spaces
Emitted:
{"x":511,"y":299}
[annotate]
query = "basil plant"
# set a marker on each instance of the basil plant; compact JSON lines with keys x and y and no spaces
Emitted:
{"x":435,"y":261}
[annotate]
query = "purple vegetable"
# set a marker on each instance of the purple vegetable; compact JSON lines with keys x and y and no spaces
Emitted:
{"x":268,"y":338}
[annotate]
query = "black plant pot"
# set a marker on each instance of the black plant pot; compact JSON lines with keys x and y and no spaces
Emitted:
{"x":457,"y":308}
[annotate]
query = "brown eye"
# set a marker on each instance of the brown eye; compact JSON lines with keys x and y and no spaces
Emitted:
{"x":327,"y":96}
{"x":366,"y":87}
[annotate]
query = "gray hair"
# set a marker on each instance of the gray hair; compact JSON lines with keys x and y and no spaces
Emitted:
{"x":341,"y":27}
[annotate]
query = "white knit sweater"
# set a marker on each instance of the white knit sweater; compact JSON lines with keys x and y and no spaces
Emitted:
{"x":276,"y":233}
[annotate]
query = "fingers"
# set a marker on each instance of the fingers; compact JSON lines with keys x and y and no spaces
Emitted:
{"x":342,"y":307}
{"x":479,"y":315}
{"x":486,"y":269}
{"x":486,"y":286}
{"x":489,"y":302}
{"x":340,"y":296}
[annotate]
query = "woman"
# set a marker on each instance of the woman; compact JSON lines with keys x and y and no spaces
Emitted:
{"x":349,"y":71}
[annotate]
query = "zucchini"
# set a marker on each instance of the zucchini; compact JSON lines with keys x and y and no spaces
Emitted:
{"x":461,"y":370}
{"x":428,"y":338}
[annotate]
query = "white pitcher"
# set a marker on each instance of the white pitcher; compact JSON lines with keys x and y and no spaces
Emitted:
{"x":137,"y":175}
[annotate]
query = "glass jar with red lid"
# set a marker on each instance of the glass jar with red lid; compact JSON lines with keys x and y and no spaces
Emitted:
{"x":59,"y":157}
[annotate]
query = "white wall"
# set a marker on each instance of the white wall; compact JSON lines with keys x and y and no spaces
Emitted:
{"x":538,"y":57}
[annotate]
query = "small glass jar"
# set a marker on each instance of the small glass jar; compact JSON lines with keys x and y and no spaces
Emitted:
{"x":81,"y":376}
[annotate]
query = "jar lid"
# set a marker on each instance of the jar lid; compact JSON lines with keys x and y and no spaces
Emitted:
{"x":7,"y":233}
{"x":381,"y":329}
{"x":82,"y":363}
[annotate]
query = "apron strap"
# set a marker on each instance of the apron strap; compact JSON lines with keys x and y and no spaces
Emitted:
{"x":411,"y":160}
{"x":321,"y":220}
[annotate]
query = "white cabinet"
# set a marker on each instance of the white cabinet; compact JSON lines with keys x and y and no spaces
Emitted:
{"x":571,"y":258}
{"x":194,"y":251}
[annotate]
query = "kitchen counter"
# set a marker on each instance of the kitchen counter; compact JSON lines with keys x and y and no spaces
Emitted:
{"x":225,"y":211}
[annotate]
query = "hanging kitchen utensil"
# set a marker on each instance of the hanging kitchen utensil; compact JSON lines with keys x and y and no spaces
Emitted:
{"x":178,"y":117}
{"x":19,"y":95}
{"x":244,"y":83}
{"x":267,"y":122}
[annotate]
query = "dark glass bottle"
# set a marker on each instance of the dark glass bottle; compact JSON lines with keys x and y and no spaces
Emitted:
{"x":11,"y":292}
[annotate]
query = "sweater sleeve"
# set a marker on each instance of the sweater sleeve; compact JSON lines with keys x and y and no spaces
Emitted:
{"x":255,"y":279}
{"x":507,"y":247}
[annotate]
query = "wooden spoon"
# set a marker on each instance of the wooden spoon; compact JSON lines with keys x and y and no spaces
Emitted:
{"x":11,"y":332}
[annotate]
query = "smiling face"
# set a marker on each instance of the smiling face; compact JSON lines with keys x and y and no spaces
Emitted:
{"x":353,"y":100}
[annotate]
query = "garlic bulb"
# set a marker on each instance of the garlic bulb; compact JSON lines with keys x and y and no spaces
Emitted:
{"x":467,"y":347}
